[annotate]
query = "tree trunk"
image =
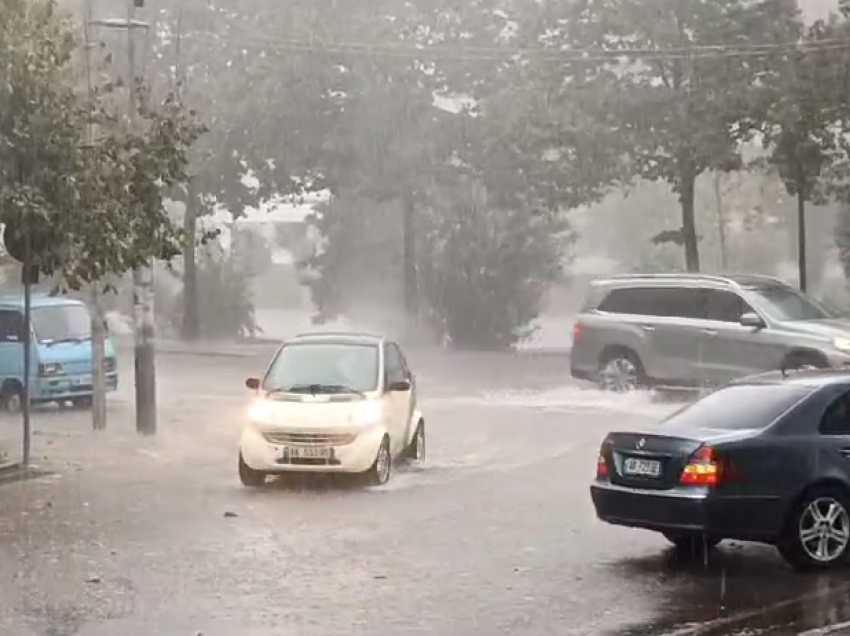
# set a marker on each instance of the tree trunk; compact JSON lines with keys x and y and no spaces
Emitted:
{"x":721,"y":221}
{"x":690,"y":240}
{"x":801,"y":233}
{"x":411,"y":293}
{"x":98,"y":344}
{"x":191,"y":327}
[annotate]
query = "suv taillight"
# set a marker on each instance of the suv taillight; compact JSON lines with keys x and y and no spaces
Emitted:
{"x":578,"y":328}
{"x":703,"y":468}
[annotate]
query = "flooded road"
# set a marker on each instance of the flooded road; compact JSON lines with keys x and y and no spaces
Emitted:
{"x":495,"y":535}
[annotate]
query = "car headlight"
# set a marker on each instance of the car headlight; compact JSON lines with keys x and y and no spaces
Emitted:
{"x":843,"y":344}
{"x":260,"y":411}
{"x":368,"y":413}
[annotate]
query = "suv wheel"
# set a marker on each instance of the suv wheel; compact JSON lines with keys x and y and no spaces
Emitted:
{"x":620,"y":372}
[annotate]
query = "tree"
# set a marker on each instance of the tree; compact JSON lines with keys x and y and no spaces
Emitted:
{"x":805,"y":116}
{"x":671,"y":96}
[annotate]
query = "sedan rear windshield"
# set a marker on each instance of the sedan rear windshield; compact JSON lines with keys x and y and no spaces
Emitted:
{"x":739,"y":407}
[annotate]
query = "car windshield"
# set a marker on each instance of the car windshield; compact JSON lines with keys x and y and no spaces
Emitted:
{"x":61,"y":323}
{"x":738,"y":407}
{"x":334,"y":366}
{"x":785,"y":303}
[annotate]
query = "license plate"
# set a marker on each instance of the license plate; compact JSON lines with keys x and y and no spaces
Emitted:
{"x":642,"y":467}
{"x":85,"y":379}
{"x":307,"y":452}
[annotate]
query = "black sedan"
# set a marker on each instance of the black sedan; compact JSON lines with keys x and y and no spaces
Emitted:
{"x":764,"y":459}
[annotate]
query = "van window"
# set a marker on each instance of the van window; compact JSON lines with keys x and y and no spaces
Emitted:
{"x":668,"y":302}
{"x":11,"y":326}
{"x":61,"y":323}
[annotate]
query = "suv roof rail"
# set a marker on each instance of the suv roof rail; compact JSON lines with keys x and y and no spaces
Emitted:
{"x":670,"y":276}
{"x":351,"y":334}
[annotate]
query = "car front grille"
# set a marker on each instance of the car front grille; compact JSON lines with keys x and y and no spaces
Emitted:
{"x":309,"y":439}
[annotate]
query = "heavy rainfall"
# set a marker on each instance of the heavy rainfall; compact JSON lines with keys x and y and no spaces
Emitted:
{"x":250,"y":249}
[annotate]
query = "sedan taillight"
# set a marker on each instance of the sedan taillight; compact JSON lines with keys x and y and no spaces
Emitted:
{"x":703,"y":468}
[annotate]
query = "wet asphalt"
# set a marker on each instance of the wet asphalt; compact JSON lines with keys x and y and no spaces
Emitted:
{"x":494,"y":535}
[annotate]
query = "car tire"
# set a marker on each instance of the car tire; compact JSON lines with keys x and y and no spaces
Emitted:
{"x":249,"y":477}
{"x":817,"y":533}
{"x":415,"y":451}
{"x":620,"y":371}
{"x":381,"y":470}
{"x":692,"y":544}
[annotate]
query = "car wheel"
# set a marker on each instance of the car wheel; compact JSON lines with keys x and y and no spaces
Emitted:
{"x":817,"y":536}
{"x":621,"y":371}
{"x":692,"y":543}
{"x":382,"y":467}
{"x":416,"y":450}
{"x":249,"y":477}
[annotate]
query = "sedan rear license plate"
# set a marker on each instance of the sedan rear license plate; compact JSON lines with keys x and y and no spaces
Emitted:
{"x":642,"y":467}
{"x":307,"y":452}
{"x":83,"y":380}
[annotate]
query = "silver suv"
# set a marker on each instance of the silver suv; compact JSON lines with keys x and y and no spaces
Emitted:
{"x":696,"y":330}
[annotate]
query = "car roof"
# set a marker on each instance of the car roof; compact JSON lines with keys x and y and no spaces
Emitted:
{"x":814,"y":378}
{"x":38,"y":300}
{"x":337,"y":337}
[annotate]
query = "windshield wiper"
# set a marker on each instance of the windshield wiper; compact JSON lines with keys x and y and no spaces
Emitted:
{"x":315,"y":389}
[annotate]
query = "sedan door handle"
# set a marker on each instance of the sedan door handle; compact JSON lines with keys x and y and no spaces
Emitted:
{"x":710,"y":332}
{"x":845,"y":451}
{"x":648,"y":327}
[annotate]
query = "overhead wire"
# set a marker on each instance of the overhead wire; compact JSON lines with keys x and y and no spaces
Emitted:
{"x":281,"y":43}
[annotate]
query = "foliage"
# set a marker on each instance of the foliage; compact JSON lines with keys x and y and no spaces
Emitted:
{"x":95,"y":202}
{"x":484,"y":269}
{"x":226,"y":309}
{"x":673,"y":114}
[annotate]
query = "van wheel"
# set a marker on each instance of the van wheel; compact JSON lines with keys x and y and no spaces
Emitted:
{"x":12,"y":397}
{"x":620,"y":371}
{"x":85,"y":402}
{"x":817,"y":535}
{"x":249,"y":477}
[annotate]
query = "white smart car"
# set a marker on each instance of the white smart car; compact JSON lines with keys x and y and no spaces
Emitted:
{"x":332,"y":402}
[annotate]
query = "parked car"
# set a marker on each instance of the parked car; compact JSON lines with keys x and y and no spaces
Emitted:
{"x":332,"y":403}
{"x":62,"y":362}
{"x":764,"y":459}
{"x":698,"y":330}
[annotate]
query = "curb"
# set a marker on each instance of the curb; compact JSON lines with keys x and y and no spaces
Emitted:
{"x":11,"y":472}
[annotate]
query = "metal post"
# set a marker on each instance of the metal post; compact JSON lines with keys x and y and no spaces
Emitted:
{"x":25,"y":406}
{"x":143,"y":315}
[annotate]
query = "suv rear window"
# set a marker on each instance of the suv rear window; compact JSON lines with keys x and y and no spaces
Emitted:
{"x":669,"y":302}
{"x":738,"y":407}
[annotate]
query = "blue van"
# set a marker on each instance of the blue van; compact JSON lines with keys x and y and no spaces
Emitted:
{"x":62,"y":363}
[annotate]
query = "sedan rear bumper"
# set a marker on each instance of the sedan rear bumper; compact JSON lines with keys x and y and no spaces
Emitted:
{"x":691,"y":510}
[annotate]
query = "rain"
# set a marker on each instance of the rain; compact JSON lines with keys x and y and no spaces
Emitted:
{"x":189,"y":187}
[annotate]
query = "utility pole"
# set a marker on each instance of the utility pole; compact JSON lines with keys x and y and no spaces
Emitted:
{"x":143,"y":313}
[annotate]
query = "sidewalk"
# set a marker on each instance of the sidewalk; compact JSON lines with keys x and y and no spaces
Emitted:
{"x":238,"y":349}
